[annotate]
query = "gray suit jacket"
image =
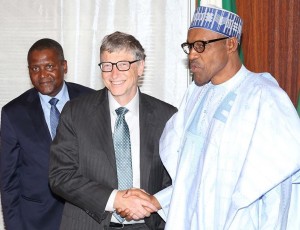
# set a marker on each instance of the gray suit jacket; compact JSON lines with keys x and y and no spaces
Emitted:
{"x":82,"y":162}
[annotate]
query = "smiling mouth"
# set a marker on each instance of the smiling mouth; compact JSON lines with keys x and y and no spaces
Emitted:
{"x":117,"y":82}
{"x":45,"y":82}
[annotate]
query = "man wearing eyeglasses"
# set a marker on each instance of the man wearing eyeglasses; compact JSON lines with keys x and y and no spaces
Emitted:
{"x":233,"y":148}
{"x":107,"y":143}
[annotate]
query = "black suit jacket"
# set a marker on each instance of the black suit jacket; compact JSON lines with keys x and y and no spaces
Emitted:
{"x":27,"y":200}
{"x":82,"y":161}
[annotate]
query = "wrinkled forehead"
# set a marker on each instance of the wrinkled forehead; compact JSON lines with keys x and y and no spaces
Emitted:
{"x":116,"y":55}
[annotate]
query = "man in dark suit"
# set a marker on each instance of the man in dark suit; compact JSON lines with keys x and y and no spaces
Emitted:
{"x":27,"y":201}
{"x":84,"y":167}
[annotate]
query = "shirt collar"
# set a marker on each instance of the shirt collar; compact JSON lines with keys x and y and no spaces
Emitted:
{"x":61,"y":96}
{"x":233,"y":81}
{"x":132,"y":106}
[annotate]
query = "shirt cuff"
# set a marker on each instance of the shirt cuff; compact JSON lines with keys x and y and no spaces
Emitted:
{"x":164,"y":199}
{"x":110,"y":203}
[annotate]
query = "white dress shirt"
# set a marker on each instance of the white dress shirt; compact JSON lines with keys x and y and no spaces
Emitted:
{"x":133,"y":122}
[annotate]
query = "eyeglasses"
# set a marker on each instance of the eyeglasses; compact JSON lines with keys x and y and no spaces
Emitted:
{"x":199,"y":45}
{"x":121,"y":65}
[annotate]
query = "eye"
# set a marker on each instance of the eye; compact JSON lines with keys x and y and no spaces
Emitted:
{"x":122,"y":64}
{"x":49,"y":67}
{"x":106,"y":65}
{"x":34,"y":69}
{"x":198,"y":45}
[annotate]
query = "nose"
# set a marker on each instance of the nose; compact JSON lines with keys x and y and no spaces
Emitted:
{"x":193,"y":54}
{"x":42,"y":73}
{"x":115,"y":71}
{"x":114,"y":67}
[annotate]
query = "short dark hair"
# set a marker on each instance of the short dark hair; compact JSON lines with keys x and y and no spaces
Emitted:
{"x":118,"y":41}
{"x":47,"y":43}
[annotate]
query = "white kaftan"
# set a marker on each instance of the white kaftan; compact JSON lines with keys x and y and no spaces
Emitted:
{"x":233,"y":152}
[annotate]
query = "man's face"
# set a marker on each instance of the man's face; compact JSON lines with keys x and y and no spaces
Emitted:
{"x":46,"y":71}
{"x":122,"y":84}
{"x":208,"y":65}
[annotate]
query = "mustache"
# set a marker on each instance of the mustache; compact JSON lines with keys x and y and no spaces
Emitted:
{"x":46,"y":80}
{"x":194,"y":63}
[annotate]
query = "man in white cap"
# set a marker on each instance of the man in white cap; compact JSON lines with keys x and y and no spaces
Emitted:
{"x":233,"y":148}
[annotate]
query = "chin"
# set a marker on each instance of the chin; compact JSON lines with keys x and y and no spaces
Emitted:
{"x":119,"y":95}
{"x":200,"y":82}
{"x":48,"y":92}
{"x":116,"y":92}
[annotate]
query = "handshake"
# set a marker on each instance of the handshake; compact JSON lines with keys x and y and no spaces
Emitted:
{"x":135,"y":204}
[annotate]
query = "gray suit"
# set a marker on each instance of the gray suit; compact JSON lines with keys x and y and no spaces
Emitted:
{"x":82,"y":162}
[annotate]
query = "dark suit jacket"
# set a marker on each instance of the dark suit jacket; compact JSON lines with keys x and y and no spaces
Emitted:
{"x":82,"y":160}
{"x":27,"y":200}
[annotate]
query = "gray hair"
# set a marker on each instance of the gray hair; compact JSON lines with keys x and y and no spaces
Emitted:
{"x":118,"y":41}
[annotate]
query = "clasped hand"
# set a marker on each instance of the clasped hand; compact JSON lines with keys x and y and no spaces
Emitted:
{"x":135,"y":204}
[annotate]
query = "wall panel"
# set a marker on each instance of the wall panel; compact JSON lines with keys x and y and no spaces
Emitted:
{"x":271,"y":40}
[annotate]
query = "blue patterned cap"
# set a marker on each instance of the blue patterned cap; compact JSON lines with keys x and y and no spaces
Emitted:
{"x":218,"y":20}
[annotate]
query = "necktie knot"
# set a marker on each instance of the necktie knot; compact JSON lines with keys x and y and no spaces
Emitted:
{"x":53,"y":101}
{"x":121,"y":111}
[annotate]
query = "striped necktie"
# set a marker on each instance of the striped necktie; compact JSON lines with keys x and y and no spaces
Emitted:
{"x":54,"y":116}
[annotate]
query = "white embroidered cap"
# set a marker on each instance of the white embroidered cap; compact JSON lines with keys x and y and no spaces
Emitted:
{"x":218,"y":20}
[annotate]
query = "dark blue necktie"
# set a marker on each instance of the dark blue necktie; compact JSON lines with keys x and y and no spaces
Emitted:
{"x":54,"y":116}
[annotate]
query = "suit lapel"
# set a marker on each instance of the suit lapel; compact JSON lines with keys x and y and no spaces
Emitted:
{"x":100,"y":116}
{"x":147,"y":124}
{"x":73,"y":92}
{"x":36,"y":115}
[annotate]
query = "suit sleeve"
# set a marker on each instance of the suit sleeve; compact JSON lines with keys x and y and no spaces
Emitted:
{"x":9,"y":172}
{"x":66,"y":175}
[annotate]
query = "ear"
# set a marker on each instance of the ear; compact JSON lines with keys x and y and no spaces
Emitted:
{"x":65,"y":64}
{"x":141,"y":66}
{"x":232,"y":44}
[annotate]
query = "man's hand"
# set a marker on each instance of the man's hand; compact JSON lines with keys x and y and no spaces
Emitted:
{"x":137,"y":207}
{"x":128,"y":214}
